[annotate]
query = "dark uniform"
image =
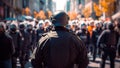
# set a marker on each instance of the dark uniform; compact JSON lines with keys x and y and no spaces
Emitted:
{"x":96,"y":33}
{"x":31,"y":40}
{"x":60,"y":48}
{"x":117,"y":29}
{"x":40,"y":31}
{"x":107,"y":42}
{"x":23,"y":44}
{"x":6,"y":49}
{"x":16,"y":41}
{"x":85,"y":37}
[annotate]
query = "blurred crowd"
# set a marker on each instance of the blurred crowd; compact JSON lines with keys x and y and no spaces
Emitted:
{"x":26,"y":34}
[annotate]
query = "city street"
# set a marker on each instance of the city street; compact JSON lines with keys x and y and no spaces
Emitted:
{"x":60,"y":30}
{"x":95,"y":64}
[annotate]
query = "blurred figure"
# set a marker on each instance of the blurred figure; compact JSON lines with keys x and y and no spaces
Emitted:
{"x":91,"y":27}
{"x":107,"y":42}
{"x":40,"y":31}
{"x":60,"y":48}
{"x":6,"y":49}
{"x":104,"y":26}
{"x":46,"y":26}
{"x":23,"y":44}
{"x":31,"y":40}
{"x":117,"y":29}
{"x":90,"y":30}
{"x":16,"y":41}
{"x":95,"y":34}
{"x":84,"y":35}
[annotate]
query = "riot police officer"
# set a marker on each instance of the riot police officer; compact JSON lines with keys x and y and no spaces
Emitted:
{"x":107,"y":42}
{"x":84,"y":35}
{"x":6,"y":48}
{"x":16,"y":41}
{"x":40,"y":31}
{"x":31,"y":40}
{"x":95,"y":34}
{"x":24,"y":37}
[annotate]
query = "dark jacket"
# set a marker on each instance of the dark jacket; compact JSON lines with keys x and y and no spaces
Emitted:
{"x":109,"y":38}
{"x":6,"y":47}
{"x":84,"y":35}
{"x":16,"y":39}
{"x":60,"y":49}
{"x":117,"y":29}
{"x":31,"y":38}
{"x":95,"y":34}
{"x":39,"y":33}
{"x":24,"y":37}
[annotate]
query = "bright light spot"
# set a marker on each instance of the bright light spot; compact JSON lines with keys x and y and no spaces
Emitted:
{"x":60,"y":4}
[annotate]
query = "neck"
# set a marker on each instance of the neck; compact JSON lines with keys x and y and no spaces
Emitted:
{"x":61,"y":28}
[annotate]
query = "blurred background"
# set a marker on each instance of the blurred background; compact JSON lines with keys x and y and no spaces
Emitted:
{"x":43,"y":9}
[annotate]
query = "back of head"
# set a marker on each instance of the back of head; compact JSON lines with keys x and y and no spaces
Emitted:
{"x":13,"y":27}
{"x":110,"y":26}
{"x":60,"y":18}
{"x":21,"y":26}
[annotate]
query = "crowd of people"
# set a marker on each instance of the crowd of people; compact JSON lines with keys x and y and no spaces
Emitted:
{"x":59,"y":42}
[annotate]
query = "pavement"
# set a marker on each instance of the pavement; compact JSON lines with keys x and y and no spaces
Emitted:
{"x":95,"y":64}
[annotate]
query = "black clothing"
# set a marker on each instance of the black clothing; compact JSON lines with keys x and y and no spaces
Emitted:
{"x":107,"y":42}
{"x":60,"y":49}
{"x":95,"y":34}
{"x":6,"y":47}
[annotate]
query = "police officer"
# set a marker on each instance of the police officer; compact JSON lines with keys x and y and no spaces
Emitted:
{"x":31,"y":40}
{"x":95,"y":34}
{"x":24,"y":37}
{"x":117,"y":29}
{"x":16,"y":41}
{"x":84,"y":35}
{"x":40,"y":31}
{"x":107,"y":42}
{"x":60,"y":48}
{"x":6,"y":48}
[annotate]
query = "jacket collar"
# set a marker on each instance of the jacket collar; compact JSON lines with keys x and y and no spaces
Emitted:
{"x":60,"y":28}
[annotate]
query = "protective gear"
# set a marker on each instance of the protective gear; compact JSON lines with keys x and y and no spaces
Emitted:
{"x":13,"y":27}
{"x":29,"y":27}
{"x":110,"y":26}
{"x":83,"y":27}
{"x":83,"y":24}
{"x":21,"y":26}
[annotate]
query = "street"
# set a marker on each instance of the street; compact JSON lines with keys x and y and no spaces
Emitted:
{"x":95,"y":64}
{"x":27,"y":24}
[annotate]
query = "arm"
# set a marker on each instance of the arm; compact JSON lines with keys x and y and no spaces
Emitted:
{"x":101,"y":39}
{"x":82,"y":58}
{"x":38,"y":55}
{"x":12,"y":48}
{"x":88,"y":38}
